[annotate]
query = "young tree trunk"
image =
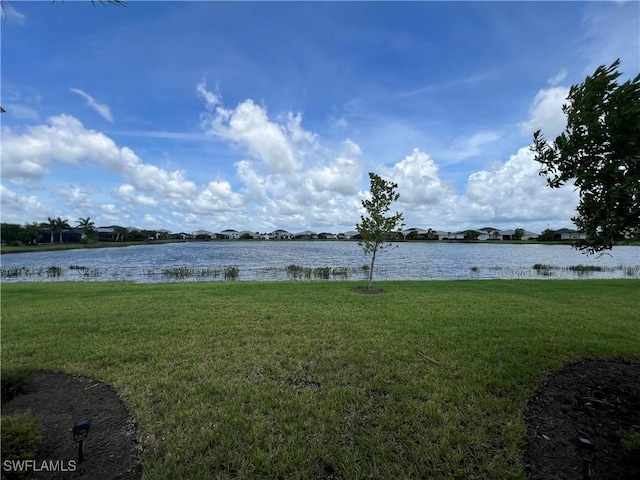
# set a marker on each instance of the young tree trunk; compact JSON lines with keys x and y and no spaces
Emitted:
{"x":373,"y":259}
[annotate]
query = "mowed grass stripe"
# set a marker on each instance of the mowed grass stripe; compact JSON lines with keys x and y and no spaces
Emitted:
{"x":310,"y":379}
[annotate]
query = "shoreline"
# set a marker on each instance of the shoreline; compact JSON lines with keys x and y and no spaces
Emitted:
{"x":46,"y":247}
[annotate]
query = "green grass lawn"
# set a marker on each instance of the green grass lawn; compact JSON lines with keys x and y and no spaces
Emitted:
{"x":301,"y":379}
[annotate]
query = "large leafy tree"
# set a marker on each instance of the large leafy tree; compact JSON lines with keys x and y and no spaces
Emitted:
{"x":375,"y":228}
{"x":31,"y":232}
{"x":600,"y":152}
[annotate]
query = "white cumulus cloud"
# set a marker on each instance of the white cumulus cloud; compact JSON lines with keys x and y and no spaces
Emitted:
{"x":128,"y":194}
{"x":514,"y":191}
{"x":546,"y":113}
{"x":65,"y":139}
{"x":19,"y":209}
{"x":418,"y":181}
{"x":282,"y":146}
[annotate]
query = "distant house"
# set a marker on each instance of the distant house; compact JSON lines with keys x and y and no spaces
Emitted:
{"x":180,"y":236}
{"x":327,"y":236}
{"x":306,"y":235}
{"x":527,"y":235}
{"x":246,"y":234}
{"x":511,"y":235}
{"x":489,"y":233}
{"x":202,"y":235}
{"x":230,"y":234}
{"x":507,"y":234}
{"x":280,"y":235}
{"x":415,"y":234}
{"x":106,"y":234}
{"x":160,"y":235}
{"x":350,"y":235}
{"x":568,"y":234}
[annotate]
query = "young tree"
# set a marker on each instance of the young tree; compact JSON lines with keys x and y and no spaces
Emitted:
{"x":600,"y":152}
{"x":376,"y":228}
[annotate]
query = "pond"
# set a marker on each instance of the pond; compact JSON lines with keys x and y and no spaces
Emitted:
{"x":334,"y":260}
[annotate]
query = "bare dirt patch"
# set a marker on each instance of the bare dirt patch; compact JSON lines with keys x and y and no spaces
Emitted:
{"x":593,"y":399}
{"x":58,"y":401}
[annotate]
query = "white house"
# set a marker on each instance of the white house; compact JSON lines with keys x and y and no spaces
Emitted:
{"x":280,"y":234}
{"x":230,"y":233}
{"x":417,"y":233}
{"x":306,"y":235}
{"x":568,"y":234}
{"x":351,"y":234}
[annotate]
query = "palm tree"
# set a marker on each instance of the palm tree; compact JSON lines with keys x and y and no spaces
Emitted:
{"x":51,"y":226}
{"x":121,"y":233}
{"x":61,"y":225}
{"x":88,"y":226}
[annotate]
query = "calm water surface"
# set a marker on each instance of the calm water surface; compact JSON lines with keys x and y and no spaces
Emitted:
{"x":268,"y":260}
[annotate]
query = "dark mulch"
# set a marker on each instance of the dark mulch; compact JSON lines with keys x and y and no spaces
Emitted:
{"x":594,"y":399}
{"x":59,"y":400}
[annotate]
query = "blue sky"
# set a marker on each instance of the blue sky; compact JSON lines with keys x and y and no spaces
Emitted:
{"x":258,"y":116}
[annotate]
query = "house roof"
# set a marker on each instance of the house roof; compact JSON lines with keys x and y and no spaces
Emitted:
{"x":414,"y":229}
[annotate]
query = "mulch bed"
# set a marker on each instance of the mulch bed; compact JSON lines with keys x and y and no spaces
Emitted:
{"x":593,"y":399}
{"x":60,"y":400}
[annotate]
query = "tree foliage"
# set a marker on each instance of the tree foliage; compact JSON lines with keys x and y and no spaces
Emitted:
{"x":376,"y":228}
{"x":600,"y":152}
{"x":547,"y":235}
{"x":89,"y":227}
{"x":471,"y":234}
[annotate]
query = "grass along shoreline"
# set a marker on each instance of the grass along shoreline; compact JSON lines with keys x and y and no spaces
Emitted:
{"x":297,"y":379}
{"x":294,"y":272}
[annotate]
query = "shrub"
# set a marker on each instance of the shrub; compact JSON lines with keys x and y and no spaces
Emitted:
{"x":631,"y":441}
{"x":231,"y":273}
{"x":14,"y":383}
{"x":20,"y":437}
{"x":54,"y":271}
